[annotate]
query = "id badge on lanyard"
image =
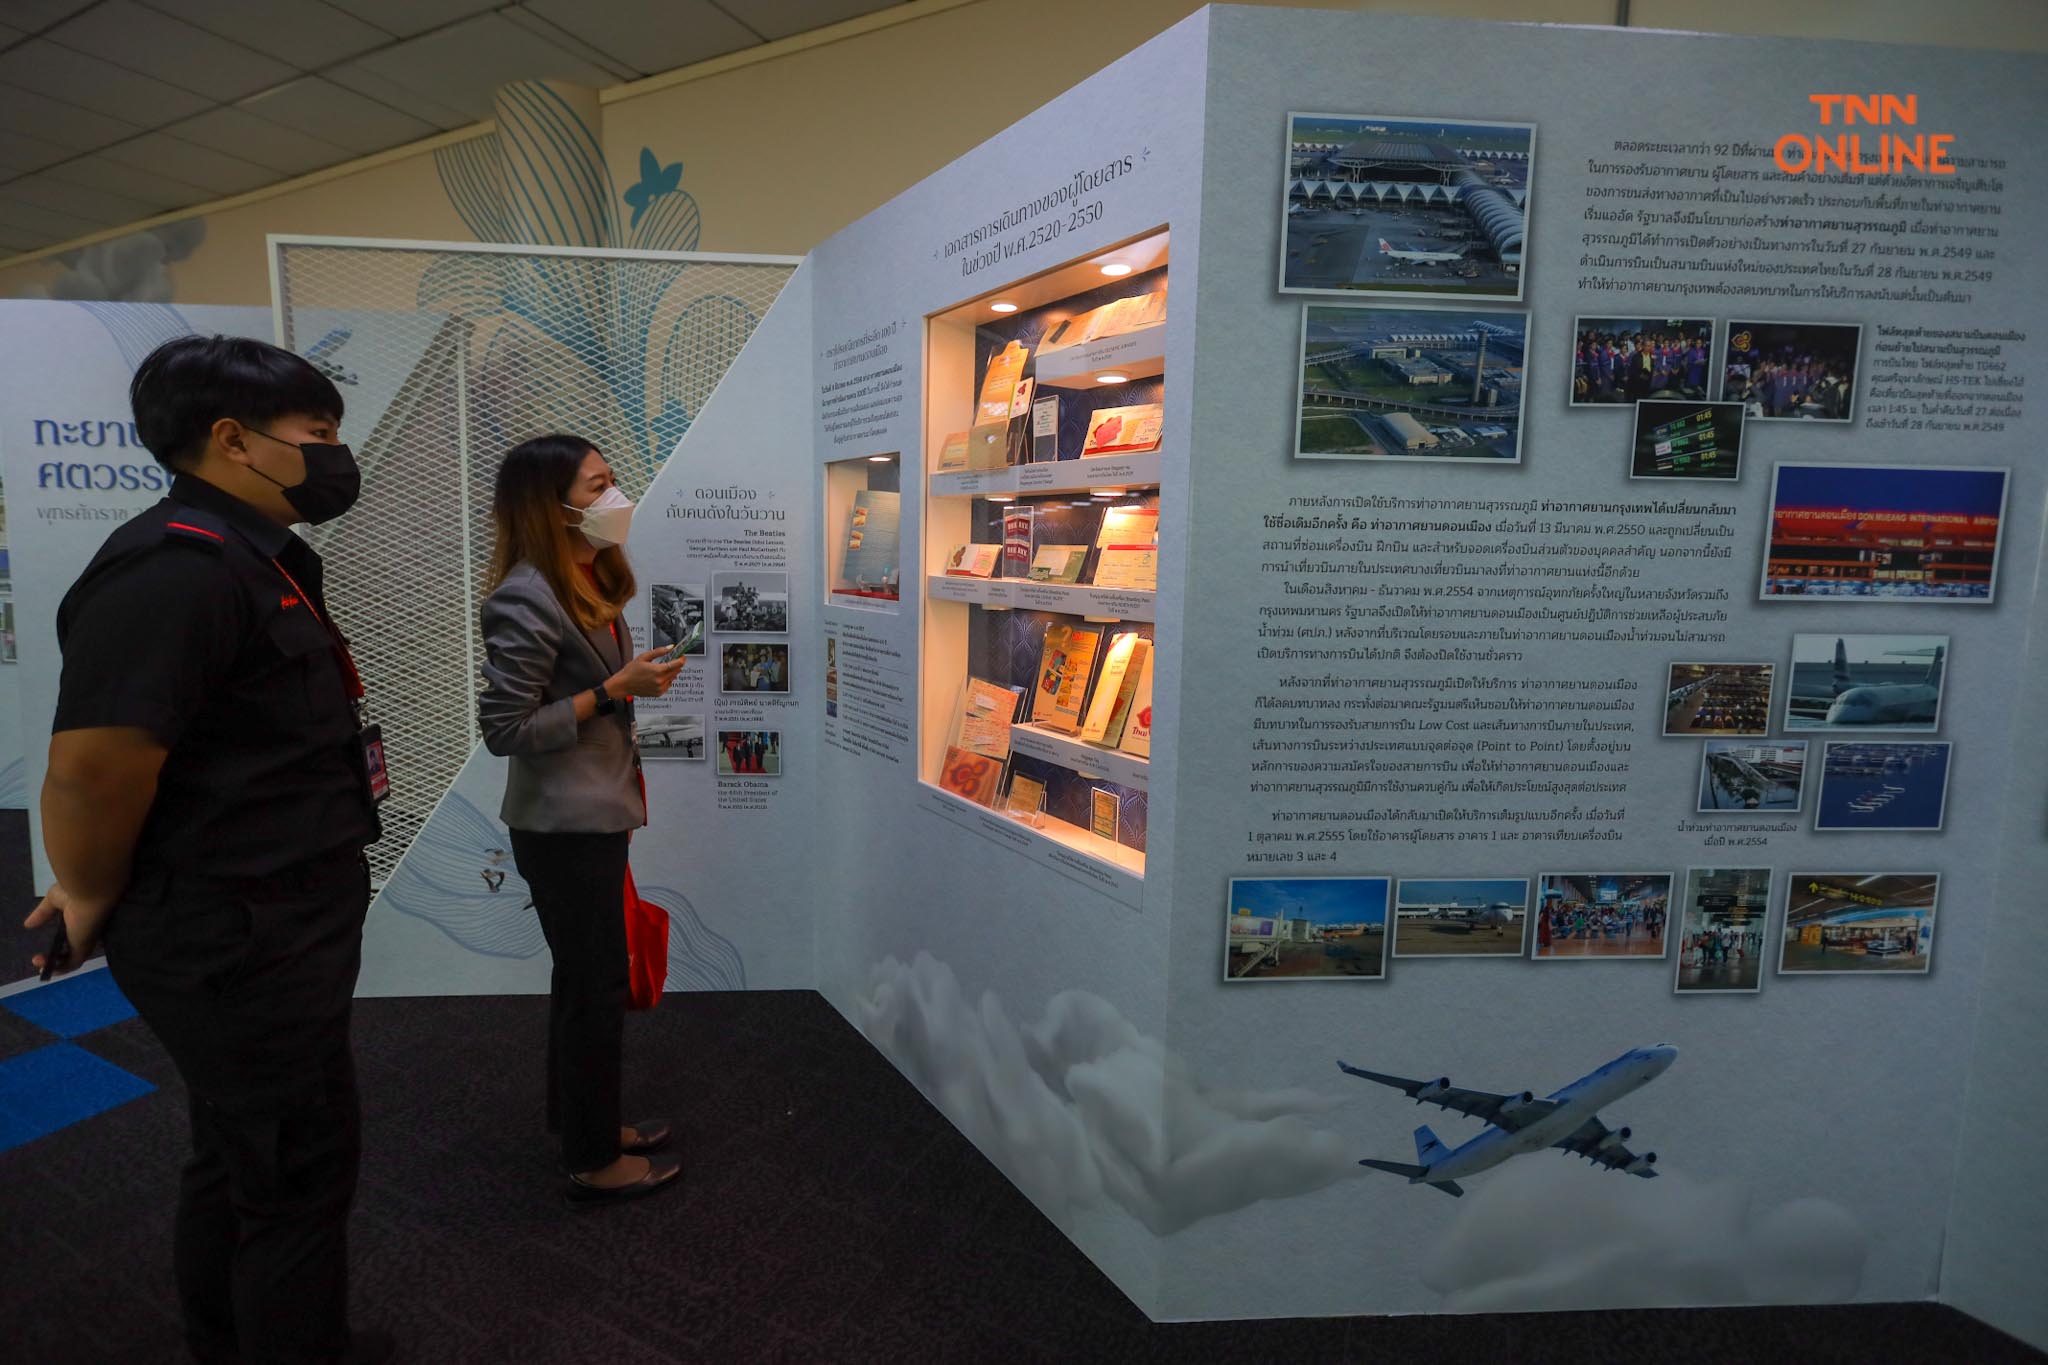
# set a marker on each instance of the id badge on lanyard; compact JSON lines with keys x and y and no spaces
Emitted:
{"x":369,"y":738}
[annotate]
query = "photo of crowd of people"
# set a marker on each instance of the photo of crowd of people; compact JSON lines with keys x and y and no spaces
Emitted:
{"x":1721,"y":933}
{"x":1603,"y":915}
{"x":1622,"y":360}
{"x":751,"y":604}
{"x":1794,"y":370}
{"x":754,"y":668}
{"x":750,"y":753}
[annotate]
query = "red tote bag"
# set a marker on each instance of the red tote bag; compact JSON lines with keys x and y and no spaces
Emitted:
{"x":646,"y":949}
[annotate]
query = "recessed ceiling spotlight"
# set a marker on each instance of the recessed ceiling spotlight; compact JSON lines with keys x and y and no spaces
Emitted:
{"x":880,"y":459}
{"x":1002,"y":308}
{"x":1112,"y":378}
{"x":1115,"y":268}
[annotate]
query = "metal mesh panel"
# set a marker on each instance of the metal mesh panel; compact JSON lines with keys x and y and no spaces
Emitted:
{"x":447,"y":356}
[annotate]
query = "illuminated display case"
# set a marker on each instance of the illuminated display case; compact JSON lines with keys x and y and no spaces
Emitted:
{"x":1041,"y":484}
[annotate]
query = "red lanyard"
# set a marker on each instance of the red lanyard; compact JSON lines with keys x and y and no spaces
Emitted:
{"x":349,"y":676}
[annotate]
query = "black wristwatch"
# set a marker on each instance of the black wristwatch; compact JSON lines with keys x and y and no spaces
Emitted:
{"x":606,"y":703}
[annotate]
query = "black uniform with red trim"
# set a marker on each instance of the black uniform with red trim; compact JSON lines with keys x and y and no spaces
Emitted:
{"x":239,"y":937}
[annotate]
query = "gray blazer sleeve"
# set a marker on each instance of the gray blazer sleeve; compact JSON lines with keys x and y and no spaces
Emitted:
{"x":522,"y":635}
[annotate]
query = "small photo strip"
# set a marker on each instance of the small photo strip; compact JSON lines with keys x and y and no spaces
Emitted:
{"x":1866,"y":684}
{"x":1884,"y":533}
{"x":1687,"y":441}
{"x":1306,"y":929}
{"x":663,"y":736}
{"x":1792,"y":371}
{"x":1731,"y":699}
{"x":1601,"y":916}
{"x":1724,"y":917}
{"x":750,"y":753}
{"x":1461,"y":917}
{"x":746,"y":667}
{"x":1870,"y":786}
{"x":1761,"y":776}
{"x":1839,"y":923}
{"x":1620,"y":361}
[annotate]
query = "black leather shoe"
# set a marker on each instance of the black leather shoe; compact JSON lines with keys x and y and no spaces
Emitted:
{"x":370,"y":1346}
{"x":662,"y":1172}
{"x":650,"y":1136}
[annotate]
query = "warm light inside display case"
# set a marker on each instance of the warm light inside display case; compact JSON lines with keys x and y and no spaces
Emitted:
{"x":1044,"y":427}
{"x":863,"y":505}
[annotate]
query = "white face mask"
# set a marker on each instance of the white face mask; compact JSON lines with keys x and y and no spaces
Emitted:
{"x":607,"y":520}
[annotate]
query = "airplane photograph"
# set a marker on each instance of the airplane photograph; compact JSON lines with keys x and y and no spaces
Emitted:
{"x":1472,"y":917}
{"x":1417,"y":257}
{"x":1867,"y":683}
{"x":1567,"y":1120}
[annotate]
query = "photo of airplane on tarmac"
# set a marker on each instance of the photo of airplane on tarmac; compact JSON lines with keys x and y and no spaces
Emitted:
{"x":1763,"y":775}
{"x":1853,"y":922}
{"x":1435,"y":208}
{"x":1472,"y":917}
{"x":1721,"y":930}
{"x":1895,"y":787}
{"x":1567,"y":1120}
{"x":1307,"y":928}
{"x":1868,"y":684}
{"x":1601,"y":915}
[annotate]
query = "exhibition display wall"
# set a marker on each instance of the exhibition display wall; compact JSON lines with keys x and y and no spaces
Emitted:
{"x":1399,"y":688}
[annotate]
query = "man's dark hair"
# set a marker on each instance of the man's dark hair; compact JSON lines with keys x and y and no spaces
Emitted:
{"x":184,"y":386}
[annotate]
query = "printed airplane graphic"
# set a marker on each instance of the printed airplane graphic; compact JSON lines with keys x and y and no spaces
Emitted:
{"x":1567,"y":1119}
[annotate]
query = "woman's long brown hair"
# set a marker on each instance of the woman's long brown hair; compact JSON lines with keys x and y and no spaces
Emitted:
{"x":527,"y":505}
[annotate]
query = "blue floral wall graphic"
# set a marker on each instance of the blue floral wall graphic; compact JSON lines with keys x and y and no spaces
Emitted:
{"x":655,"y":181}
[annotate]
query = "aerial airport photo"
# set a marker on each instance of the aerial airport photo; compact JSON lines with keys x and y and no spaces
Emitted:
{"x":1410,"y":384}
{"x":1404,"y":205}
{"x":1901,"y":786}
{"x":1765,"y":775}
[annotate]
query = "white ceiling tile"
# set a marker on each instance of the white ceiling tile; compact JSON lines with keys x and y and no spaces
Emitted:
{"x":407,"y":18}
{"x":24,"y":152}
{"x":34,"y":15}
{"x":240,"y":133}
{"x":462,"y":65}
{"x":48,"y":192}
{"x":782,"y":18}
{"x":212,"y":171}
{"x":306,"y":33}
{"x":649,"y":35}
{"x":78,"y":78}
{"x":325,"y":110}
{"x":172,"y":50}
{"x":98,"y":173}
{"x":359,"y":79}
{"x":67,"y":125}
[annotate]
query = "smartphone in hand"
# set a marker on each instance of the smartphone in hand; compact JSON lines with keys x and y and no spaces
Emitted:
{"x":684,"y":645}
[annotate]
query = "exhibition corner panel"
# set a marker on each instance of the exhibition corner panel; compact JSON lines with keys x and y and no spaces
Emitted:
{"x":1040,"y":472}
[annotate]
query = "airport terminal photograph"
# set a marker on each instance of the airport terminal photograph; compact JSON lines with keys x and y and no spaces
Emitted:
{"x":1010,"y":681}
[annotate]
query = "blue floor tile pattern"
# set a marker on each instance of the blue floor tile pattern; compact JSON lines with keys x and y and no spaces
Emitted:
{"x":73,"y":1005}
{"x":56,"y":1086}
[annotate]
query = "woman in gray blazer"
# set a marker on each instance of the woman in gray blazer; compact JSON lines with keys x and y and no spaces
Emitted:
{"x":559,"y":681}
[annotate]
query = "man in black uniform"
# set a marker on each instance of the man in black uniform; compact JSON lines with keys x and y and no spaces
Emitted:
{"x":206,"y":810}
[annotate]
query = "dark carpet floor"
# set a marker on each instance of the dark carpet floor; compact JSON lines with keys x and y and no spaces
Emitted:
{"x":828,"y":1214}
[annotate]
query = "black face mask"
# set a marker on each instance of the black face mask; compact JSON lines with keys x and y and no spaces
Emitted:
{"x":332,"y":484}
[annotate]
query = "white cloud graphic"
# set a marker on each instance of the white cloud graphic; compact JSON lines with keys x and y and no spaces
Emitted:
{"x":1082,"y":1111}
{"x":1540,"y":1234}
